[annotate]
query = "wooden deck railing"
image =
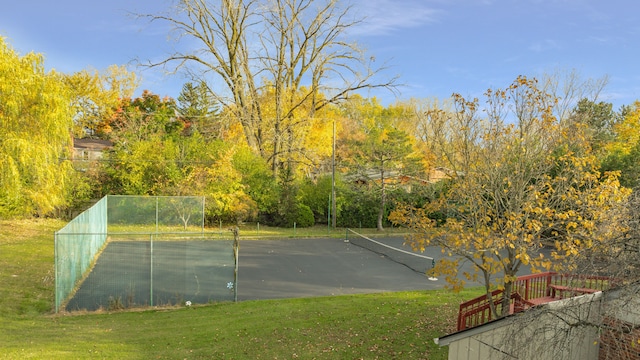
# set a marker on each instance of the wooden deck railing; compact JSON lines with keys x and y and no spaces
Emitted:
{"x":478,"y":311}
{"x":533,"y":286}
{"x":528,"y":291}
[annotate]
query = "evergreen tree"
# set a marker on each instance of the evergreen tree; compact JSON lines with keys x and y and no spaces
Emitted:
{"x":200,"y":112}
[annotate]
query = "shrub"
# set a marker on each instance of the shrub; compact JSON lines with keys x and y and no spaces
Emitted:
{"x":304,"y":216}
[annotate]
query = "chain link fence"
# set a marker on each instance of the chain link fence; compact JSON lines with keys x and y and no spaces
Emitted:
{"x":136,"y":251}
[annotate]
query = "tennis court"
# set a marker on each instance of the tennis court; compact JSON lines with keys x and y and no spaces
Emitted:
{"x":140,"y":273}
{"x":270,"y":269}
{"x":267,"y":269}
{"x":137,"y":251}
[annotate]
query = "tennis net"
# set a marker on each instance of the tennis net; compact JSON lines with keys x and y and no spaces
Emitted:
{"x":416,"y":262}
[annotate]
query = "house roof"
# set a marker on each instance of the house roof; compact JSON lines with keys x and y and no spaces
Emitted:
{"x":622,"y":299}
{"x":448,"y":339}
{"x":92,"y":144}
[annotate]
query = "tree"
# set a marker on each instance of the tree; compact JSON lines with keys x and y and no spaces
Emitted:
{"x":153,"y":155}
{"x":599,"y":119}
{"x":145,"y":167}
{"x":426,"y":114}
{"x":147,"y":147}
{"x":566,"y":88}
{"x":200,"y":112}
{"x":257,"y":179}
{"x":316,"y":194}
{"x":35,"y":123}
{"x":221,"y":183}
{"x":387,"y":153}
{"x":288,"y":204}
{"x":95,"y":97}
{"x":384,"y":155}
{"x":623,"y":150}
{"x":521,"y":181}
{"x":142,"y":118}
{"x":293,"y":50}
{"x":619,"y":256}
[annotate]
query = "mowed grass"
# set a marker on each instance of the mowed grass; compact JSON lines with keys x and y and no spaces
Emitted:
{"x":376,"y":326}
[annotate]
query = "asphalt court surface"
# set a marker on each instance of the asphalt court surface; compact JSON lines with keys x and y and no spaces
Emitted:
{"x":267,"y":269}
{"x":134,"y":273}
{"x":270,"y":269}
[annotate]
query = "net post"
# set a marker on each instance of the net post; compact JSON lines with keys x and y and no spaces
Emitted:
{"x":433,"y":266}
{"x":203,"y":213}
{"x":157,"y":215}
{"x":151,"y":270}
{"x":55,"y":262}
{"x":329,"y":217}
{"x":236,"y":248}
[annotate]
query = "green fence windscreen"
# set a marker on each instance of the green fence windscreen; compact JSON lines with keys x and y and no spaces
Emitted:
{"x":76,"y":246}
{"x":154,"y":252}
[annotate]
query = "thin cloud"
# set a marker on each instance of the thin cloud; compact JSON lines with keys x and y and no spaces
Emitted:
{"x":544,"y":45}
{"x":599,"y":39}
{"x":382,"y":17}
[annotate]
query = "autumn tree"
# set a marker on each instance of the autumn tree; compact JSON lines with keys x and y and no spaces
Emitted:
{"x":35,"y":123}
{"x":294,"y":51}
{"x":142,"y":118}
{"x":95,"y":96}
{"x":153,"y":155}
{"x":623,"y":151}
{"x":618,"y":256}
{"x":213,"y":174}
{"x":426,"y":113}
{"x":521,"y":181}
{"x":384,"y":154}
{"x":143,"y":159}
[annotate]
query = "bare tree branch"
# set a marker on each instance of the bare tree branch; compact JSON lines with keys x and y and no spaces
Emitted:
{"x":289,"y":55}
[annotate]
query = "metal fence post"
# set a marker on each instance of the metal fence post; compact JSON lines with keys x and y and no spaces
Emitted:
{"x":151,"y":270}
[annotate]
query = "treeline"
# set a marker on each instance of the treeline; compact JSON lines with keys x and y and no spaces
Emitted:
{"x":190,"y":146}
{"x":196,"y":145}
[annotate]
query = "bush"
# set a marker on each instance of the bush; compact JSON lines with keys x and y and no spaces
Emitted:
{"x":304,"y":216}
{"x":298,"y":214}
{"x":316,"y":196}
{"x":360,"y":208}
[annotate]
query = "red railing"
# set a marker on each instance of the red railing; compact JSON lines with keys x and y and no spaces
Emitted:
{"x":533,"y":286}
{"x":478,"y":311}
{"x":598,"y":283}
{"x":528,"y":291}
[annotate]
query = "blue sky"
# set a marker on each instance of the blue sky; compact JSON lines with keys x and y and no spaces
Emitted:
{"x":437,"y":47}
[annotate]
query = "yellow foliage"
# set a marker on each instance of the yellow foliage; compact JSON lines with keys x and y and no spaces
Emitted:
{"x":35,"y":126}
{"x":95,"y":96}
{"x":627,"y":134}
{"x":235,"y":134}
{"x":527,"y":182}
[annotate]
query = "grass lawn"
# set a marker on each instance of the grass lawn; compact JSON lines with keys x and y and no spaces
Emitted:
{"x":376,"y":326}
